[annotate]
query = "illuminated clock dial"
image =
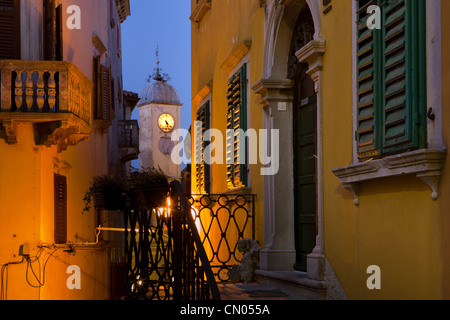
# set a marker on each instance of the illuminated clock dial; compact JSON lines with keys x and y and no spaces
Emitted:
{"x":166,"y":122}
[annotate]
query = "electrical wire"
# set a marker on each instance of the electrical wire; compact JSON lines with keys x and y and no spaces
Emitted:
{"x":4,"y":280}
{"x":30,"y":266}
{"x":30,"y":260}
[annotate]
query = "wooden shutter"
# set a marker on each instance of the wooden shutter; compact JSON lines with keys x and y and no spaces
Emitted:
{"x":237,"y":120}
{"x":52,"y":31}
{"x":391,"y":79}
{"x":203,"y":169}
{"x":402,"y":98}
{"x":60,"y":198}
{"x":97,"y":91}
{"x":366,"y":66}
{"x":59,"y":43}
{"x":49,"y":30}
{"x":103,"y":81}
{"x":10,"y":29}
{"x":106,"y":93}
{"x":112,"y":84}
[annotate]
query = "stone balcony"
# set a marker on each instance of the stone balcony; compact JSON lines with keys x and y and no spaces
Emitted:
{"x":54,"y":96}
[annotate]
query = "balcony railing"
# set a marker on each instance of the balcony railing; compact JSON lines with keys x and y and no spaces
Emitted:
{"x":129,"y":133}
{"x":128,"y":140}
{"x":42,"y":92}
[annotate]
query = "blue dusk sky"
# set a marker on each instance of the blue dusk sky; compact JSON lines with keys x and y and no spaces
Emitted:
{"x":164,"y":23}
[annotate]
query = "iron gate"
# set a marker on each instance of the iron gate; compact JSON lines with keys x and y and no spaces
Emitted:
{"x":164,"y":254}
{"x":181,"y":251}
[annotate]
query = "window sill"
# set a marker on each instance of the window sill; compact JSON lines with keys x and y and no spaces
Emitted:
{"x":424,"y":164}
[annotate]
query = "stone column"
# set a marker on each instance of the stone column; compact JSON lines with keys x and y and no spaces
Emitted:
{"x":312,"y":54}
{"x":279,"y":250}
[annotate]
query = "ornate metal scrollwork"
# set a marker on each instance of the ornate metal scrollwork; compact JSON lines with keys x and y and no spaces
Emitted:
{"x":223,"y":220}
{"x":303,"y":33}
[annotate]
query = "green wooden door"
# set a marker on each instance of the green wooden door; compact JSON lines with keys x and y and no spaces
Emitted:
{"x":305,"y":125}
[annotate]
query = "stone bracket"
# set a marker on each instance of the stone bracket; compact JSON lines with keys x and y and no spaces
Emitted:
{"x":432,"y":179}
{"x":353,"y":188}
{"x":62,"y":133}
{"x":10,"y":127}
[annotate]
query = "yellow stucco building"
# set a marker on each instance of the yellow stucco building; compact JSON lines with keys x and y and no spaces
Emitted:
{"x":62,"y":114}
{"x":358,"y":206}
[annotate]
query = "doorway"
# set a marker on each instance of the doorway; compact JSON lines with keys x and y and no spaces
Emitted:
{"x":305,"y":165}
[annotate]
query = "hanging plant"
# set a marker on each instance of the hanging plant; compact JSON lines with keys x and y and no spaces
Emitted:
{"x":151,"y":187}
{"x":108,"y":192}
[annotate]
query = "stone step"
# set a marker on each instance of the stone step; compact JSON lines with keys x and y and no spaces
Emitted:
{"x":253,"y":291}
{"x":294,"y":283}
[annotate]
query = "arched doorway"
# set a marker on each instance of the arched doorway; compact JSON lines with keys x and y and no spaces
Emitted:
{"x":292,"y":37}
{"x":305,"y":143}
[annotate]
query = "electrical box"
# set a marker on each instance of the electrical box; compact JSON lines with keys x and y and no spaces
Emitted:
{"x":25,"y":250}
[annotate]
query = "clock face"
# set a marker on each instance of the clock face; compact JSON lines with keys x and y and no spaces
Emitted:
{"x":166,"y":122}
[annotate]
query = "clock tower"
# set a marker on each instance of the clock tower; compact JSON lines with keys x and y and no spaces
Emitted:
{"x":159,"y":117}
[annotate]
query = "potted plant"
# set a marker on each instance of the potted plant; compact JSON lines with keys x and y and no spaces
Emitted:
{"x":151,"y":186}
{"x":108,"y":192}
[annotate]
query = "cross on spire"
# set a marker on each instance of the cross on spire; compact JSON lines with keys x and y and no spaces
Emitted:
{"x":157,"y":76}
{"x":157,"y":71}
{"x":157,"y":57}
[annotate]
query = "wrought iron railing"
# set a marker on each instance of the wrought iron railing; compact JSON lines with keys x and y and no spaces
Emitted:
{"x":164,"y":254}
{"x":222,"y":220}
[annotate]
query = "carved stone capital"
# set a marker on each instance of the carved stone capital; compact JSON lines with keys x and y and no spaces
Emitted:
{"x":273,"y":91}
{"x":312,"y":54}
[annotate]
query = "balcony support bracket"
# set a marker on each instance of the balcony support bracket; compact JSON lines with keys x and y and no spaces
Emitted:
{"x":62,"y":133}
{"x":10,"y":127}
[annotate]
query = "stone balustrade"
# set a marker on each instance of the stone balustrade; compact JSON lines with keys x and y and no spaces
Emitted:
{"x":53,"y":95}
{"x":45,"y":87}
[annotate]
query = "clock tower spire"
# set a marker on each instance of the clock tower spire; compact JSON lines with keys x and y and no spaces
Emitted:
{"x":159,"y":117}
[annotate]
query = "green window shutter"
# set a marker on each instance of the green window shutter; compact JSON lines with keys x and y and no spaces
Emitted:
{"x":243,"y":126}
{"x":203,"y":170}
{"x":391,"y":79}
{"x":403,"y":95}
{"x":366,"y":79}
{"x":236,"y":126}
